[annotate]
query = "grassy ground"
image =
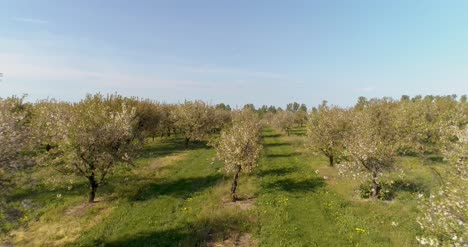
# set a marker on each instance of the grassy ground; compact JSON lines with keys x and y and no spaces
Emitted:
{"x":298,"y":207}
{"x":178,"y":197}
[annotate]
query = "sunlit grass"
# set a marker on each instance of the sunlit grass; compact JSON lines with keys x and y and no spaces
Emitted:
{"x":179,"y":197}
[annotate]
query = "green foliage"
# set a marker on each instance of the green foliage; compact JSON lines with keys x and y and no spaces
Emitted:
{"x":283,"y":120}
{"x":174,"y":196}
{"x":386,"y":193}
{"x":326,"y":131}
{"x":88,"y":138}
{"x":192,"y":118}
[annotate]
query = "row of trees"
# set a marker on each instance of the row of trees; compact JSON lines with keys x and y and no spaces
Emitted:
{"x":367,"y":139}
{"x":445,"y":213}
{"x":13,"y":135}
{"x":370,"y":135}
{"x":89,"y":138}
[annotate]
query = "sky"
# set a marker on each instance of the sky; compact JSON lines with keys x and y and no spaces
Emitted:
{"x":236,"y":52}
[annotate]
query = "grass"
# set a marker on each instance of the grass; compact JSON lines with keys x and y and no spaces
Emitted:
{"x":298,"y":207}
{"x":178,"y":197}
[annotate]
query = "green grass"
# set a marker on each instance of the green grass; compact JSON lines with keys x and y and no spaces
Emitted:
{"x":178,"y":197}
{"x":299,"y":208}
{"x":182,"y":208}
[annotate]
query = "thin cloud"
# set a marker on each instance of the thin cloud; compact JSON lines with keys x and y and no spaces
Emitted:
{"x":49,"y":68}
{"x":367,"y":89}
{"x":31,"y":20}
{"x":232,"y":72}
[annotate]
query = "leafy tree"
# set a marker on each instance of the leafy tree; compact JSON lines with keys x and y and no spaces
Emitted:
{"x":420,"y":123}
{"x":303,"y":108}
{"x":249,"y":106}
{"x":293,"y":107}
{"x":239,"y":146}
{"x":223,"y":106}
{"x":300,"y":118}
{"x":218,"y":118}
{"x":262,"y":110}
{"x":272,"y":109}
{"x":372,"y":142}
{"x":14,"y":137}
{"x":14,"y":143}
{"x":326,"y":130}
{"x":463,"y":98}
{"x":168,"y":120}
{"x":283,"y":120}
{"x":361,"y":103}
{"x":192,"y":119}
{"x":444,"y":213}
{"x":416,"y":98}
{"x":88,"y":138}
{"x":267,"y":118}
{"x":149,"y":115}
{"x":405,"y":98}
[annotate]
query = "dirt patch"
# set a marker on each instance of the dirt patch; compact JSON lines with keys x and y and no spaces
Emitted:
{"x":236,"y":240}
{"x":78,"y":210}
{"x":81,"y":209}
{"x":243,"y":204}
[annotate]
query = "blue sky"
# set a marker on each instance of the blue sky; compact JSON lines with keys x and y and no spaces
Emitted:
{"x":261,"y":52}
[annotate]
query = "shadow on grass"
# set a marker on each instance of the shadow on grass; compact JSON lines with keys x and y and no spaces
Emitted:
{"x":170,"y":237}
{"x":44,"y":194}
{"x":291,"y":185}
{"x":184,"y":187}
{"x":435,"y":158}
{"x":298,"y":132}
{"x":171,"y":146}
{"x":283,"y":155}
{"x":201,"y":233}
{"x":277,"y":172}
{"x":276,"y":144}
{"x":270,"y":135}
{"x":409,"y":186}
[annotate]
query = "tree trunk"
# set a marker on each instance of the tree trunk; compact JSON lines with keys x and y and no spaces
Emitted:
{"x":234,"y":185}
{"x":375,"y":186}
{"x":332,"y":161}
{"x":187,"y":142}
{"x":93,"y":185}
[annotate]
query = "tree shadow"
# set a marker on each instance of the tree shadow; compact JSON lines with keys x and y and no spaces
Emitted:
{"x":276,"y":172}
{"x":170,"y":237}
{"x":291,"y":185}
{"x":409,"y":186}
{"x":435,"y":158}
{"x":276,"y":144}
{"x":168,"y":147}
{"x":201,"y":233}
{"x":42,"y":193}
{"x":283,"y":155}
{"x":184,"y":187}
{"x":268,"y":135}
{"x":298,"y":132}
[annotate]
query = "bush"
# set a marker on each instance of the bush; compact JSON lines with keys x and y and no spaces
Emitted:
{"x":386,"y":193}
